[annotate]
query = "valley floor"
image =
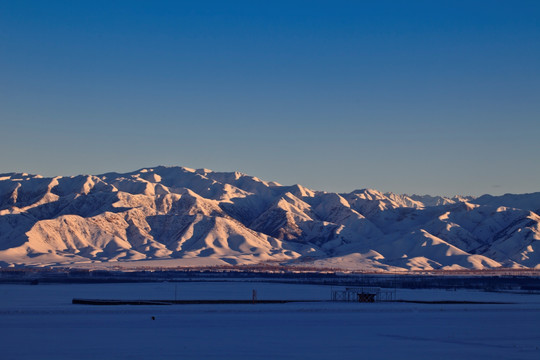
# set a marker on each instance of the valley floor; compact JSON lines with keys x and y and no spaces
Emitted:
{"x":40,"y":322}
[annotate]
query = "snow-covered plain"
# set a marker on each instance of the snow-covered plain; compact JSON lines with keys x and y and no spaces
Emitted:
{"x":39,"y":322}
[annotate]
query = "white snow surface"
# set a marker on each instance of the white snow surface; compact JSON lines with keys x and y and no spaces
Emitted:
{"x":174,"y":216}
{"x":39,"y":322}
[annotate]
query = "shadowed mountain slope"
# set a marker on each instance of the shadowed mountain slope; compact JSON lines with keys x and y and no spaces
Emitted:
{"x":184,"y":216}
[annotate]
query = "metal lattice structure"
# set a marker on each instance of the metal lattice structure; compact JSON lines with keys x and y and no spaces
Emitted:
{"x":363,"y":294}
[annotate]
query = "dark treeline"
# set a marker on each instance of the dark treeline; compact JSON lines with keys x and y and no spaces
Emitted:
{"x":508,"y":279}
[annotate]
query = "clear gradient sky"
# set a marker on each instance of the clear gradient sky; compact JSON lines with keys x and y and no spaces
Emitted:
{"x":437,"y":97}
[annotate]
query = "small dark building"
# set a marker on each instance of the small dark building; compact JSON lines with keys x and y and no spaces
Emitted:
{"x":366,"y":297}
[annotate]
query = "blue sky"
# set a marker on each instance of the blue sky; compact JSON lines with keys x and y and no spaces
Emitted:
{"x":437,"y":97}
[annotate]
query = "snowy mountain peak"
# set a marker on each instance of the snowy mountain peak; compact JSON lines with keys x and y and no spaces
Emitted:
{"x":184,"y":215}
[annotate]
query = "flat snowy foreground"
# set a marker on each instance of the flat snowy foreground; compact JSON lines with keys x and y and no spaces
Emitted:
{"x":39,"y":322}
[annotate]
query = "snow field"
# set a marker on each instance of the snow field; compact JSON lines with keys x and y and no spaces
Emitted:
{"x":40,"y":322}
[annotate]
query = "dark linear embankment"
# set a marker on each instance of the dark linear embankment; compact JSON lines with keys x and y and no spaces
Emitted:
{"x":217,"y":302}
{"x":180,"y":302}
{"x":453,"y":302}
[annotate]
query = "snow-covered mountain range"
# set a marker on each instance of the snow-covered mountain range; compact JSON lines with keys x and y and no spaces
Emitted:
{"x":174,"y":216}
